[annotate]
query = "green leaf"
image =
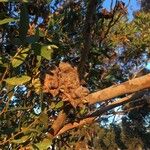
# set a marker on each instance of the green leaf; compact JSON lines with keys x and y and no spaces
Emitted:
{"x":46,"y":52}
{"x":52,"y":106}
{"x":40,"y":33}
{"x":28,"y":130}
{"x":18,"y":80}
{"x":7,"y":20}
{"x":24,"y":22}
{"x":59,"y":104}
{"x":37,"y":85}
{"x":38,"y":61}
{"x":83,"y":111}
{"x":20,"y":57}
{"x":44,"y":145}
{"x":43,"y":50}
{"x":43,"y":118}
{"x":21,"y":140}
{"x":110,"y":77}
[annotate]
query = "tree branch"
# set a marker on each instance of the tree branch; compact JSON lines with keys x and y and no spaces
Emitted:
{"x":92,"y":117}
{"x":91,"y":10}
{"x":130,"y":86}
{"x":127,"y":87}
{"x":117,"y":103}
{"x":82,"y":122}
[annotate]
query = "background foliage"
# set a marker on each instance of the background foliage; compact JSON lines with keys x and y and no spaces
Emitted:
{"x":35,"y":37}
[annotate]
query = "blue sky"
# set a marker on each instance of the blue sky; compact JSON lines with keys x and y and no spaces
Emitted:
{"x":133,"y":6}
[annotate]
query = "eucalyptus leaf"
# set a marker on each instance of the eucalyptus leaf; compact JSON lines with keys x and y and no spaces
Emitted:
{"x":37,"y":85}
{"x":41,"y":33}
{"x":21,"y":140}
{"x":52,"y":106}
{"x":82,"y":111}
{"x":43,"y":118}
{"x":20,"y":57}
{"x":29,"y":130}
{"x":38,"y":61}
{"x":7,"y":20}
{"x":46,"y":52}
{"x":59,"y":104}
{"x":18,"y":80}
{"x":44,"y":145}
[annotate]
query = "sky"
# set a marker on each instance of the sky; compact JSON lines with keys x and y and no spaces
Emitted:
{"x":133,"y":6}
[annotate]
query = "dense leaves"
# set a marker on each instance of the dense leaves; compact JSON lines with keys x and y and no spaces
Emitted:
{"x":55,"y":53}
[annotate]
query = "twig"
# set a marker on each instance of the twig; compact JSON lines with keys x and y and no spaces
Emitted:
{"x":70,"y":126}
{"x":5,"y":109}
{"x":5,"y":73}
